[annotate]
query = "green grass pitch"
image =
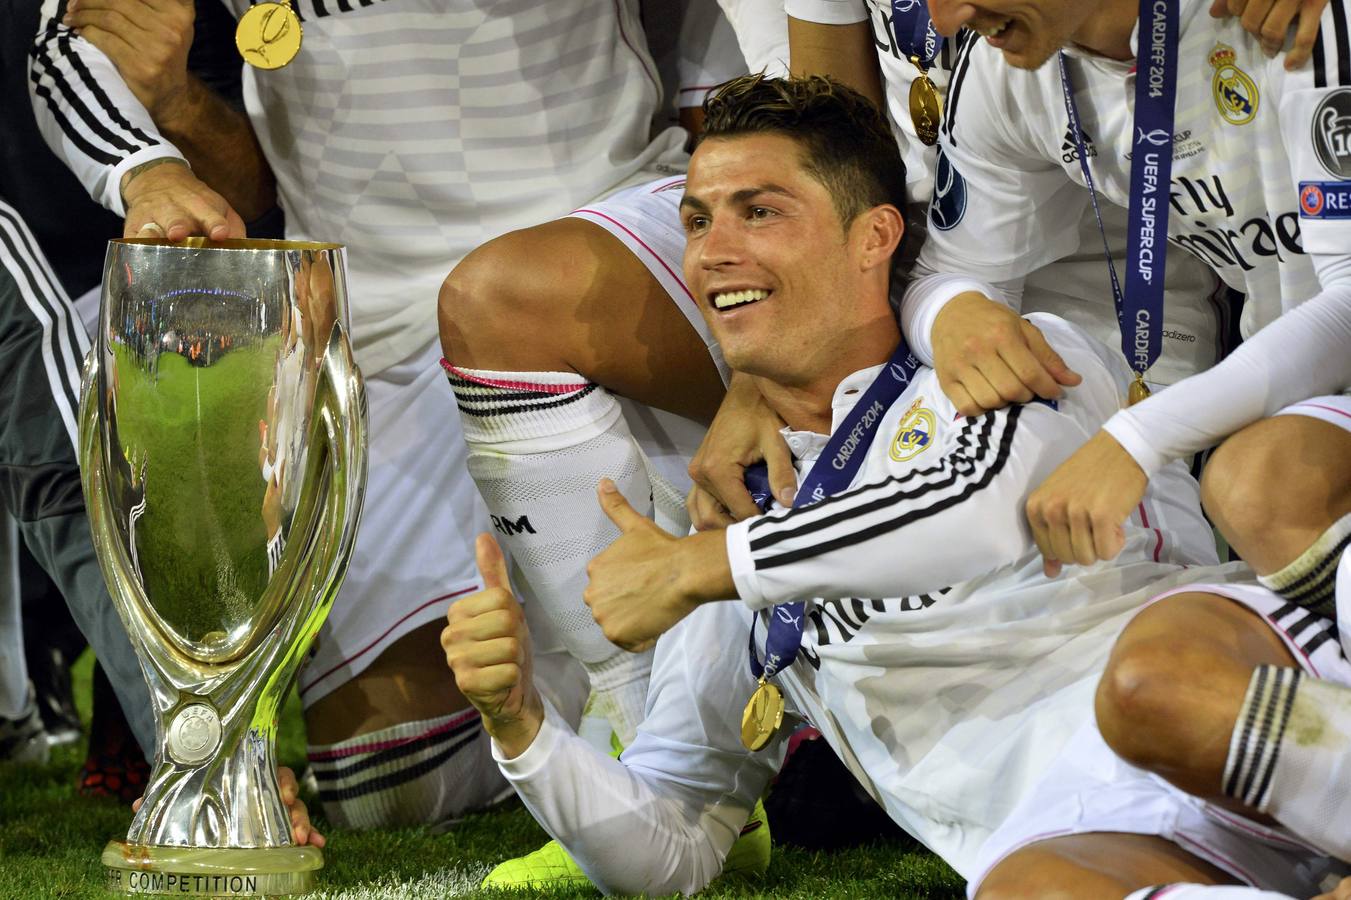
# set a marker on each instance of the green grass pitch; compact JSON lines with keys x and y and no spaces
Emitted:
{"x":50,"y":841}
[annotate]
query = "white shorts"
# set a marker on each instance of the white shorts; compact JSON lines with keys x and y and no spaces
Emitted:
{"x":1089,"y":789}
{"x":414,"y":550}
{"x":645,"y":218}
{"x":1334,"y":409}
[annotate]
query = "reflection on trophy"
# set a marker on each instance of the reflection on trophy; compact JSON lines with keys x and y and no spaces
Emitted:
{"x":223,"y":445}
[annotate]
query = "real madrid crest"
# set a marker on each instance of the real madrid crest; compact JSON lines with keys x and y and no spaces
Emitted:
{"x":915,"y":433}
{"x":1235,"y":92}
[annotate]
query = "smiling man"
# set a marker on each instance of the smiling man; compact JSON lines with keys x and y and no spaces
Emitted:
{"x":948,"y":672}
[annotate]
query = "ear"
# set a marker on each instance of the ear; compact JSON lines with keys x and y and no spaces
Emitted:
{"x":882,"y":229}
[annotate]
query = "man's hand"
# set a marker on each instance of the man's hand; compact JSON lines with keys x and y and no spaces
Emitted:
{"x":302,"y":832}
{"x":647,"y":580}
{"x":744,"y":432}
{"x":1076,"y":514}
{"x":1269,"y":22}
{"x":487,"y":647}
{"x":148,"y":41}
{"x":987,"y":356}
{"x":164,"y":199}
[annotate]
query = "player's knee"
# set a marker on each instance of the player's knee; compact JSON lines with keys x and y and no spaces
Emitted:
{"x":1139,"y":694}
{"x":1028,"y":874}
{"x":1280,"y":471}
{"x":1237,"y":485}
{"x":505,"y":304}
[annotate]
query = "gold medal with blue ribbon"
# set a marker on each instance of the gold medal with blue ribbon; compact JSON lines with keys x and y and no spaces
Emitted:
{"x":833,"y":472}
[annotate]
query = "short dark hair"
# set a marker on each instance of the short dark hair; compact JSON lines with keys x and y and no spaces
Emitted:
{"x":846,"y":142}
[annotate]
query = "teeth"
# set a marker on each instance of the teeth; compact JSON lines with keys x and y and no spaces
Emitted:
{"x":993,"y":32}
{"x":736,"y":298}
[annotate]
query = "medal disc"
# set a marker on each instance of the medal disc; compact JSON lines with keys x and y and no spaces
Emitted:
{"x":1138,"y":391}
{"x":925,"y":109}
{"x":268,"y":35}
{"x":763,"y":716}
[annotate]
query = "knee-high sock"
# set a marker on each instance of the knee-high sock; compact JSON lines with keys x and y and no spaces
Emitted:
{"x":416,"y":773}
{"x":1290,"y":756}
{"x":1310,"y":579}
{"x":539,"y":443}
{"x":1205,"y":892}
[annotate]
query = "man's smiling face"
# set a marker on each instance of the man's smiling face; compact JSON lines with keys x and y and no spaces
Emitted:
{"x":1027,"y":32}
{"x":767,"y":257}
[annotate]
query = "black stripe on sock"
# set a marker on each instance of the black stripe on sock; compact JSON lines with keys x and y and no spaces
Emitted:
{"x":1295,"y":677}
{"x":506,"y":411}
{"x":1249,"y":719}
{"x":340,"y":770}
{"x":1269,"y":722}
{"x":394,"y":779}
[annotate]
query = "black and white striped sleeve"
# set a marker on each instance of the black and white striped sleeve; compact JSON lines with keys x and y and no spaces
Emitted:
{"x":86,"y":112}
{"x":925,"y":529}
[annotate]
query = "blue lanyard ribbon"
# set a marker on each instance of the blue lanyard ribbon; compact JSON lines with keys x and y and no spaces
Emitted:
{"x":915,"y":32}
{"x":1139,"y":310}
{"x":833,"y":472}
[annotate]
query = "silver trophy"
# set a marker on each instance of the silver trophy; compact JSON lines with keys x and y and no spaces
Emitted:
{"x":223,"y":447}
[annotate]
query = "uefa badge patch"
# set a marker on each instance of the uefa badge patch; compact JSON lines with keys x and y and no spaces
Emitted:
{"x":915,"y":434}
{"x":1331,"y":133}
{"x":1325,"y":199}
{"x":1235,"y":93}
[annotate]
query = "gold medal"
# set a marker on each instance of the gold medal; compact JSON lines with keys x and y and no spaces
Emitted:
{"x":925,"y":108}
{"x":268,"y":35}
{"x":763,"y":716}
{"x":1138,"y":390}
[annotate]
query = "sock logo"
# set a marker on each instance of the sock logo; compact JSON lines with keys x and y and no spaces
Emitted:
{"x":505,"y":526}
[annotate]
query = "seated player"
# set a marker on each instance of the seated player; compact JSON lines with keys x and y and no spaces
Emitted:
{"x":951,"y":699}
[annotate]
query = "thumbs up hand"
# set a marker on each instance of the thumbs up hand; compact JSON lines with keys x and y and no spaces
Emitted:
{"x":647,"y":581}
{"x":487,"y":648}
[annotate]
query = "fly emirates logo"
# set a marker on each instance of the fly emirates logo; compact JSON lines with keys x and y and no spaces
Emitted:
{"x":1210,"y":227}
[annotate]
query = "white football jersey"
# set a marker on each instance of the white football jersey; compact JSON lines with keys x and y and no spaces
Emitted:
{"x":1261,"y":192}
{"x":412,"y":132}
{"x":1076,"y":287}
{"x":946,"y":670}
{"x":1249,"y":139}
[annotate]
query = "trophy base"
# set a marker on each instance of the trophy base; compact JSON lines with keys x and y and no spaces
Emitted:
{"x":209,"y":871}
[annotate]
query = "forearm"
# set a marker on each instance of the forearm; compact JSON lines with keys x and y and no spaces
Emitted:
{"x":1302,"y":354}
{"x":87,"y":114}
{"x":843,"y":52}
{"x":220,"y":145}
{"x":631,"y":833}
{"x":929,"y":292}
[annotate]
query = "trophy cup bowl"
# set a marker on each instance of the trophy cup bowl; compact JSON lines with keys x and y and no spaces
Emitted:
{"x":223,"y":449}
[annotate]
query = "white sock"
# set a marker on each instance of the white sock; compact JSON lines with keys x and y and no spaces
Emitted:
{"x":1309,"y":580}
{"x":1205,"y":892}
{"x":539,"y":443}
{"x":416,"y":773}
{"x":1290,"y":756}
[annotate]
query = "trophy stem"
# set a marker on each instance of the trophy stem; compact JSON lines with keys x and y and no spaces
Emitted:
{"x":210,"y":872}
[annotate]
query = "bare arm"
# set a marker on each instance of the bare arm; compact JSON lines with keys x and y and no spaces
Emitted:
{"x":844,"y":52}
{"x":148,"y":42}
